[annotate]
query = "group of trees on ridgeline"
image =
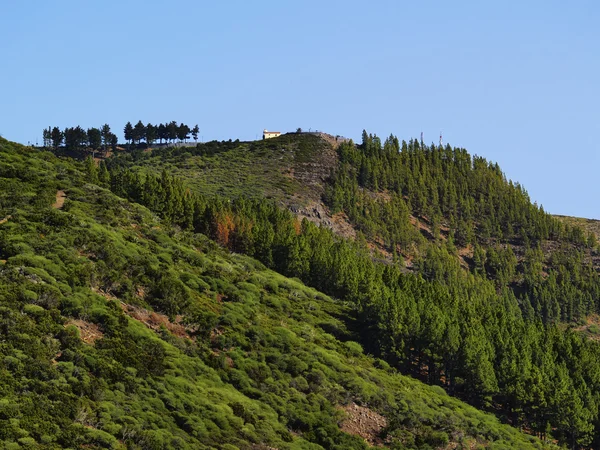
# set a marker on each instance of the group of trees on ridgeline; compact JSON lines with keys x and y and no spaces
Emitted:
{"x":77,"y":138}
{"x":168,"y":132}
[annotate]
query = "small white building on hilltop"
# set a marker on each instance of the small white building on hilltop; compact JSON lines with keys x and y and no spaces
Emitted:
{"x":271,"y":134}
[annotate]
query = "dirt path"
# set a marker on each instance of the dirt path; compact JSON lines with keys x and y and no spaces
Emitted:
{"x":60,"y":199}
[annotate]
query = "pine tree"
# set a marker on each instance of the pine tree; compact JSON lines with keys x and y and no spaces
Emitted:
{"x":47,"y":137}
{"x":162,"y":133}
{"x":113,"y":141}
{"x":128,"y":132}
{"x":139,"y":132}
{"x":150,"y":134}
{"x":172,"y":129}
{"x":103,"y":174}
{"x":57,"y":137}
{"x":94,"y":138}
{"x":91,"y":170}
{"x":106,"y":135}
{"x":183,"y":132}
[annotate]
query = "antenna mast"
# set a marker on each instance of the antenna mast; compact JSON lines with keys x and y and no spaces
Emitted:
{"x":441,"y":141}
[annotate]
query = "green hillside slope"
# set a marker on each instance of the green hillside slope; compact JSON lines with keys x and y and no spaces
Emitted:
{"x":455,"y":276}
{"x":119,"y":330}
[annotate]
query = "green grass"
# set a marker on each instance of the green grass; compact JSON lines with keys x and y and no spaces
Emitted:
{"x":589,"y":225}
{"x":254,"y":169}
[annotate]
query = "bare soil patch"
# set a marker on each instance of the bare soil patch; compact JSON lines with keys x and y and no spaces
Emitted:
{"x":363,"y":422}
{"x":317,"y":213}
{"x":60,"y":199}
{"x":423,"y":227}
{"x":591,"y":328}
{"x":385,"y":196}
{"x":106,"y":295}
{"x":89,"y":332}
{"x":464,"y":254}
{"x":155,"y":321}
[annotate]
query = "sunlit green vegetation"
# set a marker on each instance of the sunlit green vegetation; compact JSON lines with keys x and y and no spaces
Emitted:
{"x":489,"y":326}
{"x":262,"y":359}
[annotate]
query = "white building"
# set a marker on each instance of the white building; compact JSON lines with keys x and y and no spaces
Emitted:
{"x":271,"y":134}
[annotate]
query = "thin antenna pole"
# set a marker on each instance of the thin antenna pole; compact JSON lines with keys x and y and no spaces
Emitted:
{"x":441,"y":140}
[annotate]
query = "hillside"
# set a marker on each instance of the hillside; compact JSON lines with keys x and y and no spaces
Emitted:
{"x":292,"y":170}
{"x":121,"y":330}
{"x":455,"y":277}
{"x":589,"y":225}
{"x":401,"y":197}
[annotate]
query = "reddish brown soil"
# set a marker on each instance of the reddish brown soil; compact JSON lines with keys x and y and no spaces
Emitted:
{"x":342,"y":226}
{"x":424,"y":227}
{"x":102,"y":157}
{"x":89,"y":332}
{"x":60,"y":199}
{"x":155,"y":321}
{"x":363,"y":422}
{"x":464,"y":253}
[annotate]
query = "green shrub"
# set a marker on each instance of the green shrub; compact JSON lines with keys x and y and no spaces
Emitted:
{"x":34,"y":310}
{"x":353,"y":348}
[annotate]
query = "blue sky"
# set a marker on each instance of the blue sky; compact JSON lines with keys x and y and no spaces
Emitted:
{"x":516,"y":82}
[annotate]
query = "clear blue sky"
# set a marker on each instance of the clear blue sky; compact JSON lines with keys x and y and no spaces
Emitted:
{"x":516,"y":82}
